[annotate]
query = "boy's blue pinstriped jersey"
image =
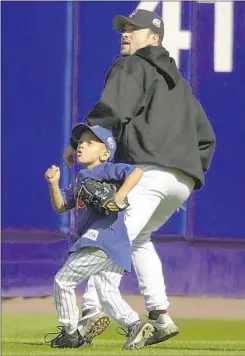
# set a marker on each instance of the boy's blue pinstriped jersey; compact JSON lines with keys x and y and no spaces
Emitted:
{"x":97,"y":230}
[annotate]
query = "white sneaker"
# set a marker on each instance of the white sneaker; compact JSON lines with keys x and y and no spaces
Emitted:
{"x":138,"y":334}
{"x":165,"y":328}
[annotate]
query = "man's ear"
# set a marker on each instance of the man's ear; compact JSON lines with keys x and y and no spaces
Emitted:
{"x":157,"y":39}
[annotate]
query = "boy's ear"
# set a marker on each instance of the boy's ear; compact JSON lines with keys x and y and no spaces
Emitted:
{"x":105,"y":156}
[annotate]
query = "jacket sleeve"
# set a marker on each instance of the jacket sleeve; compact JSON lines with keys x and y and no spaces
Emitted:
{"x":121,"y":98}
{"x":206,"y":139}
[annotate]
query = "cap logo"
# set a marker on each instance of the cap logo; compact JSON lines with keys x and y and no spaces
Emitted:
{"x":133,"y":13}
{"x":156,"y":22}
{"x":110,"y":142}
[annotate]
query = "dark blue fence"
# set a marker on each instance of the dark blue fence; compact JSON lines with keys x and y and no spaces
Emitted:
{"x":55,"y":56}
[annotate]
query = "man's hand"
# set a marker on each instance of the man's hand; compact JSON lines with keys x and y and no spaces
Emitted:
{"x":53,"y":175}
{"x":68,"y":156}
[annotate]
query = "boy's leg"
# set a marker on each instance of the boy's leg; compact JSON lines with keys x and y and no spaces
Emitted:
{"x":79,"y":266}
{"x":107,"y":285}
{"x":93,"y":320}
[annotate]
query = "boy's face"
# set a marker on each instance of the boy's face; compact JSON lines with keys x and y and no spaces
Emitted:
{"x":91,"y":151}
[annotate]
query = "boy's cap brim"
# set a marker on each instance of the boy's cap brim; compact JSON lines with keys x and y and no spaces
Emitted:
{"x":79,"y":129}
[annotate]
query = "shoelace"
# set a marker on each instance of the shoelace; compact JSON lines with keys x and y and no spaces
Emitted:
{"x":123,"y":333}
{"x":58,"y":334}
{"x":131,"y":330}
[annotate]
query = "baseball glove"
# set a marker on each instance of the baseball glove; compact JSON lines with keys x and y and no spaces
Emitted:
{"x":99,"y":196}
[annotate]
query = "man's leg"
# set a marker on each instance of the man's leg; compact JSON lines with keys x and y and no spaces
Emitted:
{"x":153,"y":289}
{"x":92,"y":298}
{"x":175,"y":191}
{"x":153,"y":201}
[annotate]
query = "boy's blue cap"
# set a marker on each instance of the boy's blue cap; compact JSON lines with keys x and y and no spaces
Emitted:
{"x":103,"y":135}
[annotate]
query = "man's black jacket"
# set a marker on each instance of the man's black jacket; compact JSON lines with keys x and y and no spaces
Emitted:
{"x":154,"y":116}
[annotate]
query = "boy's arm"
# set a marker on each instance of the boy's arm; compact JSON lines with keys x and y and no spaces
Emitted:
{"x":57,"y":198}
{"x":128,"y":185}
{"x":61,"y":202}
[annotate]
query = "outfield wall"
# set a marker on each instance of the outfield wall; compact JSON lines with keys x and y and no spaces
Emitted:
{"x":52,"y":76}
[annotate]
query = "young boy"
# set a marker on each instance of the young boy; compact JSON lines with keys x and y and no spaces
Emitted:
{"x":102,"y":248}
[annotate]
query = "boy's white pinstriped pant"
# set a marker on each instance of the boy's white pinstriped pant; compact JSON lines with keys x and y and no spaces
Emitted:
{"x":106,"y":278}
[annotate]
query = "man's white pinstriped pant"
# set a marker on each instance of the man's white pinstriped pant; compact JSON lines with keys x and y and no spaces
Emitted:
{"x":107,"y":277}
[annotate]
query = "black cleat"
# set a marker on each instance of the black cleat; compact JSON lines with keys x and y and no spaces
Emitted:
{"x":64,"y":340}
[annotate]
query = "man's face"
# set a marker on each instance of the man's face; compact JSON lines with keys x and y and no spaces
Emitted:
{"x":90,"y":150}
{"x":134,"y":38}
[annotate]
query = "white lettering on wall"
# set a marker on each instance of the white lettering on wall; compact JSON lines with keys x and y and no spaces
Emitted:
{"x":148,"y":5}
{"x":176,"y":39}
{"x":223,"y":37}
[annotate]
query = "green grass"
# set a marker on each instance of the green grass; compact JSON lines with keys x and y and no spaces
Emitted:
{"x":23,"y":335}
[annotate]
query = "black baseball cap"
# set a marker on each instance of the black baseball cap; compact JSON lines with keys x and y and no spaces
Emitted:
{"x":141,"y":19}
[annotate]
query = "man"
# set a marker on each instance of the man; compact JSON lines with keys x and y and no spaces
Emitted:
{"x":160,"y":126}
